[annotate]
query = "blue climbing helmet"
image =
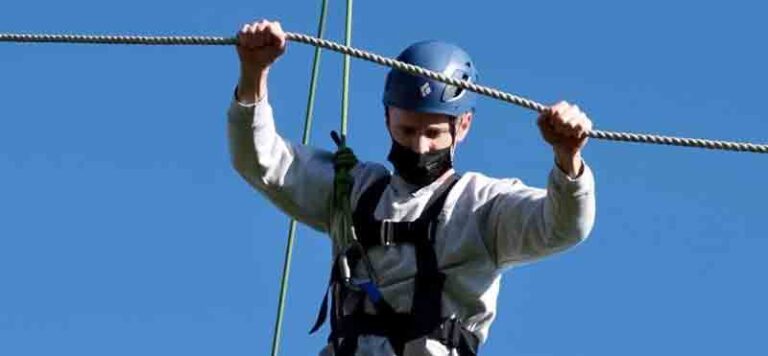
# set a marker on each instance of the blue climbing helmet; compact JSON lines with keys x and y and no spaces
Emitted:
{"x":420,"y":94}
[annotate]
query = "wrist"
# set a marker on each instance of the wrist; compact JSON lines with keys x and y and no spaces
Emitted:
{"x":569,"y":162}
{"x":252,"y":86}
{"x":253,"y":70}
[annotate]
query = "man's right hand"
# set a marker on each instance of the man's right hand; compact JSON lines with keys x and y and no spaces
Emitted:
{"x":259,"y":44}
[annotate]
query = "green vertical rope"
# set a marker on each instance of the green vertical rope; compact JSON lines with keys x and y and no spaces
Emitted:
{"x":292,"y":228}
{"x":345,"y":87}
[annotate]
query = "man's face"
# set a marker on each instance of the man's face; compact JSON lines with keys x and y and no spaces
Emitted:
{"x":424,"y":132}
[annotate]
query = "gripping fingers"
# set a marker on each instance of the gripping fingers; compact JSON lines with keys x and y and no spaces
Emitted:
{"x":584,"y":125}
{"x":565,"y":127}
{"x":573,"y":121}
{"x":261,"y":34}
{"x":276,"y":35}
{"x":568,"y":120}
{"x":251,"y":35}
{"x":242,"y":36}
{"x":258,"y":34}
{"x":560,"y":118}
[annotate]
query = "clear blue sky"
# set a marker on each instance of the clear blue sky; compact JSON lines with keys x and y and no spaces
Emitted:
{"x":124,"y":230}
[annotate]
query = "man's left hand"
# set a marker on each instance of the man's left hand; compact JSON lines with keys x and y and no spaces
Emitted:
{"x":565,"y":127}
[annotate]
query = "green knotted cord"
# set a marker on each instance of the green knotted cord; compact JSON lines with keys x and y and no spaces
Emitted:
{"x":344,"y":160}
{"x":341,"y":230}
{"x":345,"y":86}
{"x":292,"y":228}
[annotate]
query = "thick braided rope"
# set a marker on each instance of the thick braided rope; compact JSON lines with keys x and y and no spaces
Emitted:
{"x":110,"y":39}
{"x":392,"y":63}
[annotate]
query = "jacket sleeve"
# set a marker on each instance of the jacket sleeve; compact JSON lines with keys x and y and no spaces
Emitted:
{"x":527,"y":223}
{"x":296,"y":178}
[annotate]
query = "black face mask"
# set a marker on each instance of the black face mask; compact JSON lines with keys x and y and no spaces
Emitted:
{"x":419,"y":169}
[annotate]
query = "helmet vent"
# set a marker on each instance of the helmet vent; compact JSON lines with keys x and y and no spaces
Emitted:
{"x":451,"y":92}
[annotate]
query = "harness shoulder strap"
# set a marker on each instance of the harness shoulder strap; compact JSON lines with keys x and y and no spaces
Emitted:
{"x":369,"y":200}
{"x":429,"y":281}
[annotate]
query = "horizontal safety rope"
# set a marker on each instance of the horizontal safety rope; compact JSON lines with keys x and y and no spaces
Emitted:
{"x":392,"y":63}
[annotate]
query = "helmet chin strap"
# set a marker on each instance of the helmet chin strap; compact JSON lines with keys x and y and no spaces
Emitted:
{"x":454,"y":133}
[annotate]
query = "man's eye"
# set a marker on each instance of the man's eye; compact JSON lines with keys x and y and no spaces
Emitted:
{"x":408,"y":131}
{"x":433,"y":133}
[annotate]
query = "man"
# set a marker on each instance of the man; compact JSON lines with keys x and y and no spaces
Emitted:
{"x":434,"y":243}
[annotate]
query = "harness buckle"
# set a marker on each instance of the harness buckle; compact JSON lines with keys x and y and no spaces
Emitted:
{"x":386,"y":235}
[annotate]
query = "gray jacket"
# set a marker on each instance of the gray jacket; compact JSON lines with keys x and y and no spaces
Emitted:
{"x":487,"y":225}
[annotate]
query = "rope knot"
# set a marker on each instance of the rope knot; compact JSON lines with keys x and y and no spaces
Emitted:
{"x":344,"y":160}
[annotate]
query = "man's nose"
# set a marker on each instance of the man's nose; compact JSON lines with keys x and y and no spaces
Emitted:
{"x":422,"y":144}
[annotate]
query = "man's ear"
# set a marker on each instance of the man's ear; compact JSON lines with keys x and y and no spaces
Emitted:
{"x":464,"y":124}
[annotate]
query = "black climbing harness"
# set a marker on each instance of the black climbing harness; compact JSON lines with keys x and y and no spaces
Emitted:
{"x":425,"y":318}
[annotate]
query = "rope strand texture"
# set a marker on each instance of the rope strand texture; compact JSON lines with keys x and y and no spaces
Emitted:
{"x":392,"y":63}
